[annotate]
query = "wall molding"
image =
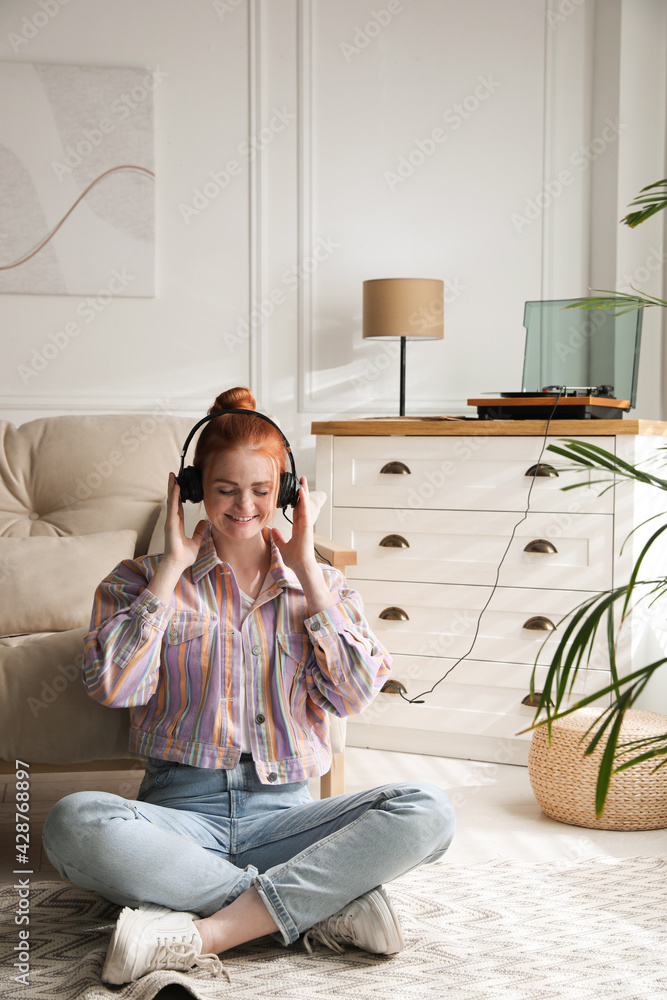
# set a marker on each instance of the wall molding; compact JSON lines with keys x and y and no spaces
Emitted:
{"x":548,"y":158}
{"x":257,"y":337}
{"x":304,"y":186}
{"x":569,"y":50}
{"x":187,"y":405}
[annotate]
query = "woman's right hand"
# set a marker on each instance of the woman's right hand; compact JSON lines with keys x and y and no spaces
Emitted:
{"x":179,"y":550}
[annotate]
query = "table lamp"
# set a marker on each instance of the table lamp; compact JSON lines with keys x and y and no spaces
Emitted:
{"x":403,"y":307}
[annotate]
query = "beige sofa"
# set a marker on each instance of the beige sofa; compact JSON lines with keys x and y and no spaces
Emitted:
{"x":77,"y":495}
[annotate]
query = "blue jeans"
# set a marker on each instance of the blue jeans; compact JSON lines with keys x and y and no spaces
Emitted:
{"x":196,"y":839}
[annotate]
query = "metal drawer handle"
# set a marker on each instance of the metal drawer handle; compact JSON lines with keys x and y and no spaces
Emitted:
{"x":394,"y":542}
{"x":393,"y":687}
{"x":540,"y":624}
{"x":533,"y":702}
{"x":394,"y":615}
{"x":541,"y":545}
{"x":395,"y":469}
{"x":542,"y":469}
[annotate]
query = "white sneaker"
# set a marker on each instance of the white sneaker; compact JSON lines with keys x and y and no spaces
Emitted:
{"x":369,"y":922}
{"x":152,"y":938}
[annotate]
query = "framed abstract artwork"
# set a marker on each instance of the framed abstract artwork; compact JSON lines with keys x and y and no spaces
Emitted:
{"x":77,"y":180}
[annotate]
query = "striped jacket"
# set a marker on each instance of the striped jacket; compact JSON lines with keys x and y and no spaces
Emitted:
{"x":177,"y":667}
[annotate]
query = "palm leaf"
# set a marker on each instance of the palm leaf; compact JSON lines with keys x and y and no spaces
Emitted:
{"x":609,"y":752}
{"x":652,"y":203}
{"x":618,"y":303}
{"x":632,"y":582}
{"x":591,"y":456}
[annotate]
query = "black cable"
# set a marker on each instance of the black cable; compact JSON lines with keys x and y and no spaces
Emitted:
{"x":417,"y":699}
{"x":323,"y":558}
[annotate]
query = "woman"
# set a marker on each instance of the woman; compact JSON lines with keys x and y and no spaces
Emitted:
{"x":230,"y":650}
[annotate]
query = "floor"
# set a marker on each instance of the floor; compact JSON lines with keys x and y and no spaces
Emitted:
{"x":497,"y":815}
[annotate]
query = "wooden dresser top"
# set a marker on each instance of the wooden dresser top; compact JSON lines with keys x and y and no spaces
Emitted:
{"x":442,"y":427}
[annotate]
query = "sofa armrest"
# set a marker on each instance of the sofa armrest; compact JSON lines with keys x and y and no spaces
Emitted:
{"x":338,"y":555}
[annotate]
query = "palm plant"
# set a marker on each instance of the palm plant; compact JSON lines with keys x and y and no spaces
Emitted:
{"x":647,"y":205}
{"x":606,"y":612}
{"x":601,"y":612}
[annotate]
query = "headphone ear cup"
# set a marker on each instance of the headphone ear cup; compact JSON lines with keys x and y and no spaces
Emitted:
{"x":191,"y":485}
{"x":288,"y":493}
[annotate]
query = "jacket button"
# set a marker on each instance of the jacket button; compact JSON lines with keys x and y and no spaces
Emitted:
{"x":273,"y":776}
{"x":315,"y":626}
{"x":151,"y":608}
{"x":256,"y":650}
{"x":259,"y":719}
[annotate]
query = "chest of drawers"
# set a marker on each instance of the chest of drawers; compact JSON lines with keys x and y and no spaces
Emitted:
{"x":433,"y":508}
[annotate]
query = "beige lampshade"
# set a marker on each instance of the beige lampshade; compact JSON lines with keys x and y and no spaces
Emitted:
{"x":403,"y":307}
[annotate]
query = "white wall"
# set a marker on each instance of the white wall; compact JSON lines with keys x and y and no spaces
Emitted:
{"x":352,"y":183}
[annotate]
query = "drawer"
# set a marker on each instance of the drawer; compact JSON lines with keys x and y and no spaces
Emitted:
{"x":466,"y":547}
{"x":480,"y":698}
{"x":441,"y":620}
{"x":459,"y":473}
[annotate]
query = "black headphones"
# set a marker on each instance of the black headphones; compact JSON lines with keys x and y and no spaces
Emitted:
{"x":190,"y":481}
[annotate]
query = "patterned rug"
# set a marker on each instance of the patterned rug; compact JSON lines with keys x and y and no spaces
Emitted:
{"x":590,"y":929}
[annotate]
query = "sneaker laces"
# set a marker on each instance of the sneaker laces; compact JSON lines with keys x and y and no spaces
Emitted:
{"x":183,"y":955}
{"x":327,"y":932}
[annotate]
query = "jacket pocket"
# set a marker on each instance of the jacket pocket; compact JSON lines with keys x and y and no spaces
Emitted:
{"x":294,"y":645}
{"x":189,"y":672}
{"x":187,"y":625}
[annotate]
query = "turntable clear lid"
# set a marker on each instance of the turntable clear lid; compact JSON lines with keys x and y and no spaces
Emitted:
{"x":581,"y":347}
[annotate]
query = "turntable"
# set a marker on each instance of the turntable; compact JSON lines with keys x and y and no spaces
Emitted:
{"x":590,"y":358}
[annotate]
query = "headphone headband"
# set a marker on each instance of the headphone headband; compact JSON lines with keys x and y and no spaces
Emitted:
{"x":289,"y":491}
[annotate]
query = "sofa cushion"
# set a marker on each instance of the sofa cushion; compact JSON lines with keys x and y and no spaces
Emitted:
{"x":73,"y":475}
{"x":48,"y":584}
{"x":46,"y":714}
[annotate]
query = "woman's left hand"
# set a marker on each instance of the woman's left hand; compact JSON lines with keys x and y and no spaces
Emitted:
{"x":299,"y":552}
{"x":299,"y":556}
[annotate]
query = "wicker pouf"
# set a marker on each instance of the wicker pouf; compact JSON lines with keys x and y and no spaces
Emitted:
{"x":564,"y":780}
